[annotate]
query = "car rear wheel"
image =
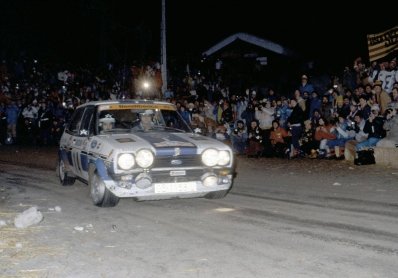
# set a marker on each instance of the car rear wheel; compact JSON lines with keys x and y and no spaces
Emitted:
{"x":64,"y":178}
{"x":100,"y":195}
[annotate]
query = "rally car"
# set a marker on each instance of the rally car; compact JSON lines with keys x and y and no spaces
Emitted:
{"x":143,"y":150}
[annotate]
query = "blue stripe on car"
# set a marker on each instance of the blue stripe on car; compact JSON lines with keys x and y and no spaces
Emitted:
{"x":84,"y":161}
{"x":101,"y":169}
{"x":167,"y":143}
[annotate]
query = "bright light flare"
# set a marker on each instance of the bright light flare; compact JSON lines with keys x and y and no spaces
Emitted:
{"x":146,"y":85}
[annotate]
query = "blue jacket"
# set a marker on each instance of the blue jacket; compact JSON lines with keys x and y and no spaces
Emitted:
{"x":12,"y":112}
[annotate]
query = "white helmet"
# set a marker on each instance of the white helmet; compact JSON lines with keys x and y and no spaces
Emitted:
{"x":108,"y":118}
{"x":147,"y":112}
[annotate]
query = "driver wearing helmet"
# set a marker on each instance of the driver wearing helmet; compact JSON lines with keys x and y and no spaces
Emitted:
{"x":146,"y":120}
{"x":107,"y":123}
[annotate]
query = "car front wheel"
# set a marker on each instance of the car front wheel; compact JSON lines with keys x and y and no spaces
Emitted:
{"x":100,"y":195}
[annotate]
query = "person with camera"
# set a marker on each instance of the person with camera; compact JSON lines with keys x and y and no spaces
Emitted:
{"x":239,"y":137}
{"x":356,"y":128}
{"x":374,"y":127}
{"x":255,"y":140}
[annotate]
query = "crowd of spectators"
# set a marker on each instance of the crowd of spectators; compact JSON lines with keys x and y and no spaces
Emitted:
{"x":356,"y":112}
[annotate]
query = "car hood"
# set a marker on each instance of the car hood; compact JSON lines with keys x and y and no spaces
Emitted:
{"x":161,"y":142}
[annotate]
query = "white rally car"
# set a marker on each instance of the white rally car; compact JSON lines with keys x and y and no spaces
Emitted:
{"x":141,"y":149}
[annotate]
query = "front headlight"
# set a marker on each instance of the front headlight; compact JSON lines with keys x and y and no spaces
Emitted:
{"x":125,"y":161}
{"x":210,"y":157}
{"x":213,"y":157}
{"x":144,"y":158}
{"x":223,"y":158}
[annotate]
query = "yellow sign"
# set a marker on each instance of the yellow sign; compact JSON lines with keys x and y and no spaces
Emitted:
{"x":138,"y":106}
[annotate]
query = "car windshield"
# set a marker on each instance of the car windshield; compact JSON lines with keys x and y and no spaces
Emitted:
{"x":139,"y":118}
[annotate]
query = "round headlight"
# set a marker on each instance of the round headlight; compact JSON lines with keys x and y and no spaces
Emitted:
{"x":125,"y":161}
{"x":223,"y":158}
{"x":209,"y":180}
{"x":144,"y":158}
{"x":210,"y":157}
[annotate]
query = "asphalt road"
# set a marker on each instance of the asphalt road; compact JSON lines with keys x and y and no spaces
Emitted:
{"x":281,"y":219}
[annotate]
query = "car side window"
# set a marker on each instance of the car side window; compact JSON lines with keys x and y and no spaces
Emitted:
{"x":87,"y":126}
{"x":74,"y":125}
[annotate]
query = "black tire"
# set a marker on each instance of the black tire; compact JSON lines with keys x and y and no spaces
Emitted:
{"x":64,"y":178}
{"x":217,"y":194}
{"x":99,"y":194}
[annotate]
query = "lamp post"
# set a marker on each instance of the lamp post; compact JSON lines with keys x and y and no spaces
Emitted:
{"x":163,"y":67}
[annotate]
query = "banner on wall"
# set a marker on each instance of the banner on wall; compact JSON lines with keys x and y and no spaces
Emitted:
{"x":382,"y":44}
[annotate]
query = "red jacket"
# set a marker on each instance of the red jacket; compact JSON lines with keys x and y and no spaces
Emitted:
{"x":323,"y":132}
{"x":277,"y":135}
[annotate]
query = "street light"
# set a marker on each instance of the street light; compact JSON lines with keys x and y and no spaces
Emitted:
{"x":163,"y":48}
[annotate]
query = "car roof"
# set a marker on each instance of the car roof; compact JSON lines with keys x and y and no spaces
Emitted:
{"x":128,"y":101}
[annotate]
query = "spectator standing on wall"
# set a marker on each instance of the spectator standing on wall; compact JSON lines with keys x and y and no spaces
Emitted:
{"x":305,"y":86}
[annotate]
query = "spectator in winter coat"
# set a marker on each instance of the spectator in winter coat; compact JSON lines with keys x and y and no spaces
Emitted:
{"x":278,"y":138}
{"x":326,"y":108}
{"x":295,"y":122}
{"x":382,"y":97}
{"x":315,"y":103}
{"x":248,"y":115}
{"x":239,"y":137}
{"x":255,"y":140}
{"x":391,"y":126}
{"x":343,"y":134}
{"x":364,"y":107}
{"x":305,"y":86}
{"x":185,"y":114}
{"x":12,"y":112}
{"x":308,"y":144}
{"x":374,"y":127}
{"x":323,"y":133}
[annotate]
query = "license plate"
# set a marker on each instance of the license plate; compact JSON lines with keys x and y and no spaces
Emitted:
{"x":175,"y":187}
{"x":177,"y":173}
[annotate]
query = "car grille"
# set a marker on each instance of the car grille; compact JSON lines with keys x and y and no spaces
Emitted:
{"x":180,"y":161}
{"x":193,"y":175}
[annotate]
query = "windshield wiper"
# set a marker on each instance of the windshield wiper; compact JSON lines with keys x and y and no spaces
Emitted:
{"x":173,"y":128}
{"x":115,"y":130}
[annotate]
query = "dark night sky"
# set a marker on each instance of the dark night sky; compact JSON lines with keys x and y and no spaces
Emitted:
{"x":80,"y":31}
